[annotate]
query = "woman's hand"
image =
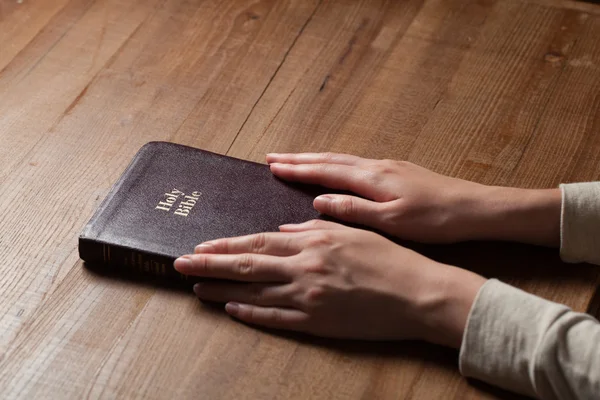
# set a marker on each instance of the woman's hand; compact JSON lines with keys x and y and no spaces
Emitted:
{"x":330,"y":280}
{"x":414,"y":203}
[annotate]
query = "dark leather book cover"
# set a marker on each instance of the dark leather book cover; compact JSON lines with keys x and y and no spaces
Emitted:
{"x":173,"y":197}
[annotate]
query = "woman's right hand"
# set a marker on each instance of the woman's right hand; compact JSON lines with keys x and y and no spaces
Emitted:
{"x":414,"y":203}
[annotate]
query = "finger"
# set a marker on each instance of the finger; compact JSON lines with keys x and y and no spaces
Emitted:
{"x":271,"y":243}
{"x":237,"y":267}
{"x":270,"y":317}
{"x":334,"y":176}
{"x":351,"y":209}
{"x":315,"y":224}
{"x":258,"y":294}
{"x":314,"y":158}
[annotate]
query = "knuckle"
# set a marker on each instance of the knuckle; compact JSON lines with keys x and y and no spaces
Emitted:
{"x":201,"y":263}
{"x":222,"y":246}
{"x":347,"y":207}
{"x":315,"y":223}
{"x":289,"y":243}
{"x":328,"y":156}
{"x":389,"y":164}
{"x":381,"y":167}
{"x":404,"y":164}
{"x":314,"y":295}
{"x":318,"y":239}
{"x":259,"y":242}
{"x":316,"y":265}
{"x":376,"y":174}
{"x":374,"y":168}
{"x":252,"y":314}
{"x":275,"y":316}
{"x":245,"y":264}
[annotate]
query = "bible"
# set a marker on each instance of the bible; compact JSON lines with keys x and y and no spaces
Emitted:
{"x":172,"y":197}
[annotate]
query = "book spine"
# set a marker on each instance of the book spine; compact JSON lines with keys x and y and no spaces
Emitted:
{"x":120,"y":259}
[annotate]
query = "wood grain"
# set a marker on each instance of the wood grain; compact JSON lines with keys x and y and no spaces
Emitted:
{"x":76,"y":106}
{"x":501,"y":92}
{"x":20,"y":23}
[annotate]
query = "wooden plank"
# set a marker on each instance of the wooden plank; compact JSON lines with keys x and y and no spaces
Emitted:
{"x":339,"y":80}
{"x":47,"y":79}
{"x":21,"y":22}
{"x":565,"y":145}
{"x":39,"y":202}
{"x":120,"y":74}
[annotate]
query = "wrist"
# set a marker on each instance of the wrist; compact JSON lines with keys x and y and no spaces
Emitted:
{"x":521,"y":215}
{"x":447,"y":304}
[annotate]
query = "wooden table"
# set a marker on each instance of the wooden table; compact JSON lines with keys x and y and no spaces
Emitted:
{"x":502,"y":92}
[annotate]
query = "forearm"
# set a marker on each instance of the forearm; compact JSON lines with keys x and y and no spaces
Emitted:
{"x":521,"y":215}
{"x":568,"y":217}
{"x":445,"y":302}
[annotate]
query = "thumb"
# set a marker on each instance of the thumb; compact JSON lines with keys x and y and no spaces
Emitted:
{"x":350,"y":209}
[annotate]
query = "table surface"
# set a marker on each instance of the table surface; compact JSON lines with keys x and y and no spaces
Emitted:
{"x":503,"y":92}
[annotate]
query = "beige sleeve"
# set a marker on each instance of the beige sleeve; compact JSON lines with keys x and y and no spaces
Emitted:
{"x":580,"y":222}
{"x":532,"y":346}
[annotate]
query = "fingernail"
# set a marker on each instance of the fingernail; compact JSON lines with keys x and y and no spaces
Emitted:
{"x":182,"y":263}
{"x":325,"y":199}
{"x":280,"y":165}
{"x":197,"y":289}
{"x":232,"y":308}
{"x":204,"y":247}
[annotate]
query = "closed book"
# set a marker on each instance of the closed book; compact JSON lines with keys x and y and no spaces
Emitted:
{"x":172,"y":197}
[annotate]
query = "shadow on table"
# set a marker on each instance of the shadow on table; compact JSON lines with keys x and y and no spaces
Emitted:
{"x":505,"y":260}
